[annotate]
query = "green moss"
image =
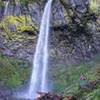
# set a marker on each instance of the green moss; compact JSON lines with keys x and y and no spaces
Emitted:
{"x":13,"y":72}
{"x":93,"y":6}
{"x":19,"y":23}
{"x":22,"y":23}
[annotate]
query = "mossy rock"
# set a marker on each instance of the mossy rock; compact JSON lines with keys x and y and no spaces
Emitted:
{"x":21,"y":22}
{"x":17,"y":25}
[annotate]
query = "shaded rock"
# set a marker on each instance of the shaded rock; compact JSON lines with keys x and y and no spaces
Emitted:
{"x":5,"y":93}
{"x":53,"y":96}
{"x":70,"y":98}
{"x":49,"y":96}
{"x":23,"y":49}
{"x":29,"y":32}
{"x":80,"y":4}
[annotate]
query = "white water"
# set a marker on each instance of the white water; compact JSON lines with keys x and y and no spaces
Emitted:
{"x":6,"y":7}
{"x":40,"y":62}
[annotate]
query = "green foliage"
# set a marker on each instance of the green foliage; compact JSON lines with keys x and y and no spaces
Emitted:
{"x":93,"y":95}
{"x":24,"y":2}
{"x":13,"y":72}
{"x":14,"y":80}
{"x":93,"y":6}
{"x":1,"y":4}
{"x":67,"y":79}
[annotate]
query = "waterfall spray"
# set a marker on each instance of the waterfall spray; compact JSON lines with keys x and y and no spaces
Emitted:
{"x":40,"y":62}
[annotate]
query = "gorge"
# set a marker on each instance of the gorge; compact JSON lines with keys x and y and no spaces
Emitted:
{"x":72,"y":46}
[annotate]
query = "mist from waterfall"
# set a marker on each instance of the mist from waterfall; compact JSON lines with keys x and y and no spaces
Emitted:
{"x":40,"y":62}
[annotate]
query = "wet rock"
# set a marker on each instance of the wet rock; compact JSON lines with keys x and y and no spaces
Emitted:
{"x":53,"y":96}
{"x":63,"y":51}
{"x":58,"y":14}
{"x":49,"y":96}
{"x":5,"y":93}
{"x":81,"y":5}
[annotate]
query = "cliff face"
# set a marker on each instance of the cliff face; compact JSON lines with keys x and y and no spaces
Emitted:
{"x":22,"y":48}
{"x":19,"y":27}
{"x":18,"y":36}
{"x":74,"y":37}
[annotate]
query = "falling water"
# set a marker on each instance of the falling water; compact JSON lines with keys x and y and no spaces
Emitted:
{"x":6,"y":7}
{"x":40,"y":62}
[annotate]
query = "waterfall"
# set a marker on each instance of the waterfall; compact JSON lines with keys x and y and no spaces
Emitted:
{"x":6,"y":7}
{"x":40,"y":62}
